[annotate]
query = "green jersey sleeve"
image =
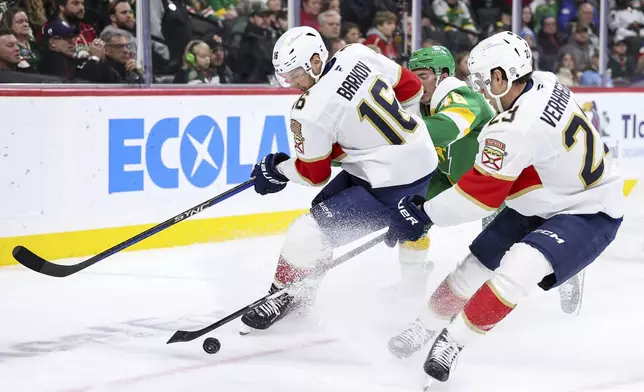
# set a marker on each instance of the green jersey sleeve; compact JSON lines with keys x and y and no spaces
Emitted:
{"x":460,"y":112}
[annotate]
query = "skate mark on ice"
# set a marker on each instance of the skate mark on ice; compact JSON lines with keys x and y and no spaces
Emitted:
{"x":186,"y":369}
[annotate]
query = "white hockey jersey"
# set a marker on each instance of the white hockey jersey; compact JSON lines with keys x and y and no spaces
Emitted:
{"x":542,"y":157}
{"x":354,"y":115}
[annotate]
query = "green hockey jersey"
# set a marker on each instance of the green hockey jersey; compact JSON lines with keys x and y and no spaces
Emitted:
{"x":455,"y":116}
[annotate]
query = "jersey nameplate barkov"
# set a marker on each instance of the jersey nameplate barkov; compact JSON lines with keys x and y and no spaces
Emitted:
{"x":493,"y":154}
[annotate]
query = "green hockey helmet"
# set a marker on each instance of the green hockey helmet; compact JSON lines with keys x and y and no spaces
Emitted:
{"x":436,"y":58}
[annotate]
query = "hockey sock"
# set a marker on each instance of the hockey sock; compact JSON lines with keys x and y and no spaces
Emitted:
{"x":481,"y":313}
{"x":445,"y":302}
{"x":410,"y":252}
{"x":286,"y":273}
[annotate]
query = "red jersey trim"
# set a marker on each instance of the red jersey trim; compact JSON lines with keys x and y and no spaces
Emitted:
{"x":315,"y":173}
{"x":408,"y":85}
{"x":527,"y":181}
{"x":485,"y":191}
{"x":337,"y":153}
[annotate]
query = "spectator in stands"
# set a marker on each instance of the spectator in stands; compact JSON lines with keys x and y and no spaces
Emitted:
{"x":281,"y":23}
{"x":527,"y":23}
{"x":35,"y":11}
{"x":274,"y":5}
{"x":567,"y":70}
{"x":59,"y":56}
{"x":363,"y":12}
{"x":336,"y":45}
{"x":310,"y":12}
{"x":550,"y":43}
{"x":253,"y":62}
{"x":592,"y":77}
{"x":170,"y":21}
{"x":621,"y":65}
{"x":352,"y":34}
{"x":428,"y":43}
{"x":119,"y":54}
{"x":196,"y":65}
{"x":9,"y":51}
{"x":381,"y":35}
{"x":220,"y":70}
{"x":585,"y":17}
{"x":638,"y":77}
{"x":16,"y":20}
{"x":579,"y":47}
{"x":628,"y":19}
{"x":331,"y":5}
{"x":543,"y":9}
{"x":462,"y":71}
{"x":72,"y":12}
{"x":455,"y":12}
{"x":329,"y":22}
{"x":122,"y":18}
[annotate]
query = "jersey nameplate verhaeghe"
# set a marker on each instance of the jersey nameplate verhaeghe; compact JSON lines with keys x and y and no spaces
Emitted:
{"x":556,"y":105}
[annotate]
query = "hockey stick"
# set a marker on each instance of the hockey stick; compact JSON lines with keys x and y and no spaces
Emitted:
{"x":187,"y":336}
{"x":32,"y":261}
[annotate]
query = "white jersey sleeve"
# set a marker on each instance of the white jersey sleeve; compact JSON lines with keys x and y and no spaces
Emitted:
{"x":542,"y":157}
{"x":314,"y":138}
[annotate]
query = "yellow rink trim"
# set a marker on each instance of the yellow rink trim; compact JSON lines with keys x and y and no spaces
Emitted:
{"x":90,"y":242}
{"x":628,"y":186}
{"x":55,"y":246}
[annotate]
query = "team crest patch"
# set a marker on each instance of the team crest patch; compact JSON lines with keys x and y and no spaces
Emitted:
{"x":493,"y":154}
{"x":296,"y":128}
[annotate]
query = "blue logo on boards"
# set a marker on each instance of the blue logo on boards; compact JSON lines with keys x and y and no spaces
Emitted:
{"x":203,"y":154}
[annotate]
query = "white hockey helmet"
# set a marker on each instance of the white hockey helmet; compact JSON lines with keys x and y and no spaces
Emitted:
{"x":504,"y":50}
{"x":293,"y":51}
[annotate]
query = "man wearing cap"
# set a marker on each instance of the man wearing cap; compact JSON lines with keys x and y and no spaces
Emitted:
{"x":59,"y":56}
{"x":253,"y":63}
{"x":72,"y":12}
{"x":579,"y":47}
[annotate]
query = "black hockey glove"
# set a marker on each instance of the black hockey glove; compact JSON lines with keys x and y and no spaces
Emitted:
{"x":409,"y":222}
{"x":267,"y":178}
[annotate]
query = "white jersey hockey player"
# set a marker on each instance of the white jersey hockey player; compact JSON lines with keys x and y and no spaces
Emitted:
{"x":351,"y":112}
{"x":564,"y":199}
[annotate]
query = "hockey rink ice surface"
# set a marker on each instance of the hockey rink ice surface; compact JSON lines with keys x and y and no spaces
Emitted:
{"x":105,"y":329}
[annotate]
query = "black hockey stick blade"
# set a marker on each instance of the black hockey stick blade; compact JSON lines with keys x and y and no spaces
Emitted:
{"x":36,"y":263}
{"x":187,"y":336}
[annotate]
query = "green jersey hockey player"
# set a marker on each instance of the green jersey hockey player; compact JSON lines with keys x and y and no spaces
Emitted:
{"x":454,"y":115}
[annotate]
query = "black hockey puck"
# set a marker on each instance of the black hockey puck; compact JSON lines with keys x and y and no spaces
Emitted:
{"x":211,"y":345}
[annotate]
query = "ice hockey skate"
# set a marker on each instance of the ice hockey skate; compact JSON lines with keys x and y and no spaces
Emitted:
{"x":442,"y":358}
{"x":265,"y":315}
{"x":411,"y":340}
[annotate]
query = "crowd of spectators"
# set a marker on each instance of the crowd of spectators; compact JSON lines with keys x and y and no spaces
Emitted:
{"x":231,"y":41}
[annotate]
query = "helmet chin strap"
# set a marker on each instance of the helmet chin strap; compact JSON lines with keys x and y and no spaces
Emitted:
{"x":497,"y":97}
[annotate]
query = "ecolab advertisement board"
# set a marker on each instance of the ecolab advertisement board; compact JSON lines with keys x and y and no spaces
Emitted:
{"x":82,"y":170}
{"x":97,"y":169}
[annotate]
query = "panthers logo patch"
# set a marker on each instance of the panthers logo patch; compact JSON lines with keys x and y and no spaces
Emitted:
{"x":493,"y":154}
{"x":296,"y":129}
